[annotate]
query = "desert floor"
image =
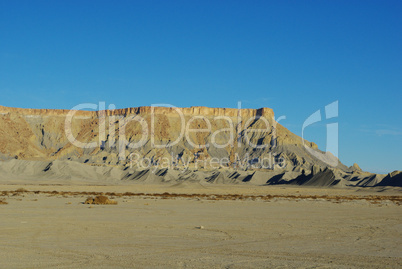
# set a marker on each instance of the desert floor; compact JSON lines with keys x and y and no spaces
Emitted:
{"x":194,"y":226}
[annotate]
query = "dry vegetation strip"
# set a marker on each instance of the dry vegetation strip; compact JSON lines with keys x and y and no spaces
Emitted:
{"x":333,"y":198}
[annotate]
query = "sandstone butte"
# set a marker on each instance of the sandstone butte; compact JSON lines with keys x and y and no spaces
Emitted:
{"x":40,"y":135}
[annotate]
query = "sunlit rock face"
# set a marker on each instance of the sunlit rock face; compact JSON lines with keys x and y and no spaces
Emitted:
{"x":229,"y":145}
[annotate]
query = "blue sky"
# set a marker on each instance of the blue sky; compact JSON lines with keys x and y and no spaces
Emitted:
{"x":293,"y":56}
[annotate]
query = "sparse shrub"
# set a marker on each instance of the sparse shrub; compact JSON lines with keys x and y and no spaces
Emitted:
{"x":100,"y":200}
{"x":21,"y":190}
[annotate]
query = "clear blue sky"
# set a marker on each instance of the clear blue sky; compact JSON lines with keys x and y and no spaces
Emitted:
{"x":293,"y":56}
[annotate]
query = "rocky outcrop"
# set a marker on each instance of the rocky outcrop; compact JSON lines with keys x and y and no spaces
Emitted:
{"x":223,"y":145}
{"x":392,"y":179}
{"x":355,"y":167}
{"x":41,"y":134}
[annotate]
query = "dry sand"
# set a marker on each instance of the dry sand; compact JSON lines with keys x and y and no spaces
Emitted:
{"x":227,"y":227}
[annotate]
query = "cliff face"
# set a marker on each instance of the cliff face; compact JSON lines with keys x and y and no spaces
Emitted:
{"x":169,"y":111}
{"x":43,"y":134}
{"x":154,"y":143}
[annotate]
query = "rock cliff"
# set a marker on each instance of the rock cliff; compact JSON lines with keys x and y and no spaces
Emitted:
{"x":232,"y":145}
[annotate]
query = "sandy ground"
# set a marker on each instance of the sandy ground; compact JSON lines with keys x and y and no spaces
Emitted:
{"x":45,"y":230}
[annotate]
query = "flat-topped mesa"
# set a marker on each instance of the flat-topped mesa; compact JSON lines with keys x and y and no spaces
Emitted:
{"x":173,"y":111}
{"x":43,"y":112}
{"x":45,"y":134}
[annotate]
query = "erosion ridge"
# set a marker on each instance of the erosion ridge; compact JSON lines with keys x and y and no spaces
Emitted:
{"x":34,"y":143}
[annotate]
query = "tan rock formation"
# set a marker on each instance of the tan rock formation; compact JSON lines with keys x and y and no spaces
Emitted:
{"x":158,"y":138}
